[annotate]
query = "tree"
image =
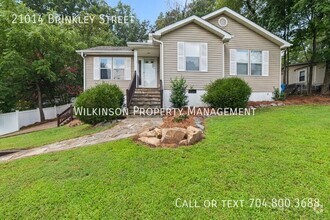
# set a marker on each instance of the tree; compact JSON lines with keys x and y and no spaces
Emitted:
{"x":135,"y":31}
{"x":34,"y":55}
{"x":309,"y":15}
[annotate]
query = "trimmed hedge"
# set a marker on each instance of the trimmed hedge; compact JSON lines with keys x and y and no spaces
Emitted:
{"x":227,"y":93}
{"x":103,"y":96}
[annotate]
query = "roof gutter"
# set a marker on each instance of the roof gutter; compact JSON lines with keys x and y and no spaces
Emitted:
{"x":84,"y":69}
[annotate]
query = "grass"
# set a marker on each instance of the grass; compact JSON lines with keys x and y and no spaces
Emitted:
{"x":279,"y":153}
{"x":52,"y":135}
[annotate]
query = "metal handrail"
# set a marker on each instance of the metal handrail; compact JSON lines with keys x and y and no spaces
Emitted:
{"x":131,"y":89}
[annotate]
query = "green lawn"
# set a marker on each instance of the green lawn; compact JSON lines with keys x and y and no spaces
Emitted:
{"x":40,"y":138}
{"x":281,"y":152}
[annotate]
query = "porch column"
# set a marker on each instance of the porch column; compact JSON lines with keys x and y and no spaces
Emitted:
{"x":136,"y":68}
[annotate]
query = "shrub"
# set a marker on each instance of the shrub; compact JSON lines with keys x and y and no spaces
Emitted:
{"x":278,"y":95}
{"x":227,"y":93}
{"x":103,"y":96}
{"x":180,"y":118}
{"x":178,"y":94}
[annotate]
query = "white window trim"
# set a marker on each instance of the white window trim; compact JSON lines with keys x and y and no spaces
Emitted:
{"x":298,"y":75}
{"x":97,"y":61}
{"x":185,"y":57}
{"x":249,"y":63}
{"x":100,"y":58}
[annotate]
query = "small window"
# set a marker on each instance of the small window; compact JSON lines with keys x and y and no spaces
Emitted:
{"x":192,"y":52}
{"x":105,"y":67}
{"x":302,"y":75}
{"x":242,"y":62}
{"x":118,"y":68}
{"x":256,"y":62}
{"x":223,"y":22}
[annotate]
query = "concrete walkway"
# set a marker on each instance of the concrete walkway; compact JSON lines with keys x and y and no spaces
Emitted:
{"x":126,"y":128}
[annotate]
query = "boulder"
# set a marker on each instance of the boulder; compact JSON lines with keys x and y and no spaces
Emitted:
{"x":194,"y":135}
{"x":143,"y":134}
{"x":173,"y":135}
{"x":183,"y":142}
{"x":150,"y":140}
{"x":74,"y":123}
{"x":151,"y":133}
{"x":158,"y":133}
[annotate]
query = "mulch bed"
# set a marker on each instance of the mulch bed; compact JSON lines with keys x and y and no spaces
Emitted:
{"x":297,"y":100}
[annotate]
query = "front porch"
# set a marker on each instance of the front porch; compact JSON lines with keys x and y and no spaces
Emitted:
{"x":145,"y":89}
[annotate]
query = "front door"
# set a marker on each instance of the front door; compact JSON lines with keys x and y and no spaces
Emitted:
{"x":149,"y":75}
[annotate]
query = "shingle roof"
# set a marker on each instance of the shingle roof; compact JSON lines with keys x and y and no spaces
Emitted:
{"x":109,"y":48}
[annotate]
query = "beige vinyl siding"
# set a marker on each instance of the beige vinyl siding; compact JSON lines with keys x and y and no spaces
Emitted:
{"x":192,"y":33}
{"x":245,"y":38}
{"x":90,"y":82}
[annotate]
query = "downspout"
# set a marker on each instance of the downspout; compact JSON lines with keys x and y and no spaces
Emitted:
{"x":84,"y":69}
{"x":223,"y":60}
{"x":162,"y":61}
{"x":280,"y":77}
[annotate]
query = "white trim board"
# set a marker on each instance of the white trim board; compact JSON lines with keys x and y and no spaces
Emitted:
{"x":246,"y":22}
{"x":197,"y":20}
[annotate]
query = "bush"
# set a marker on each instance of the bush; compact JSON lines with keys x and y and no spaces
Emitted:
{"x":178,"y":94}
{"x":103,"y":96}
{"x":227,"y":93}
{"x":278,"y":95}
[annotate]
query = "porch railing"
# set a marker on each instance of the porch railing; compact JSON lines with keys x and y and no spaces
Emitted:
{"x":131,"y":89}
{"x":65,"y":116}
{"x":161,"y":93}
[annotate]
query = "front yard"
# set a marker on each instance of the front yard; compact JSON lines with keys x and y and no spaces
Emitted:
{"x":279,"y":153}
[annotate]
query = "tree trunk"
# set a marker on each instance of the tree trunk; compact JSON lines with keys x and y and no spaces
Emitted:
{"x":326,"y":82}
{"x":310,"y":79}
{"x":41,"y":111}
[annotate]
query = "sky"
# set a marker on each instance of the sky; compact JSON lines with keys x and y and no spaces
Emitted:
{"x":147,"y":9}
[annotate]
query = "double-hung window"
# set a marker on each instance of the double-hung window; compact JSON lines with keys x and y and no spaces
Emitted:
{"x":105,"y":68}
{"x":112,"y":68}
{"x":118,"y":68}
{"x":302,"y":75}
{"x":242,"y":62}
{"x":249,"y":62}
{"x":192,"y":57}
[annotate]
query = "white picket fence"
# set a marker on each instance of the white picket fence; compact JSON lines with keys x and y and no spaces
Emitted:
{"x":13,"y":121}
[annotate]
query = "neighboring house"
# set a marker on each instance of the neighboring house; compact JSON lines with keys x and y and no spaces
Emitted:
{"x":299,"y":74}
{"x":218,"y":45}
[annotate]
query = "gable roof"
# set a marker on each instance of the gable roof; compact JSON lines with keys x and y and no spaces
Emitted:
{"x":197,"y":20}
{"x":253,"y":26}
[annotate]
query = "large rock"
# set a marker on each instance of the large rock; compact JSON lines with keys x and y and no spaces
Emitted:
{"x":158,"y":133}
{"x":150,"y":140}
{"x":173,"y":135}
{"x":194,"y":135}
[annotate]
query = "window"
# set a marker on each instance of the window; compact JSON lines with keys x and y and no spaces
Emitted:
{"x":192,"y":52}
{"x":105,"y":68}
{"x":192,"y":57}
{"x":302,"y":75}
{"x":249,"y":62}
{"x":256,"y":62}
{"x":242,"y":62}
{"x":118,"y":68}
{"x":112,"y":68}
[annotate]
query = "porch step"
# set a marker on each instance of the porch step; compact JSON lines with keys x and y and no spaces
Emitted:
{"x":145,"y":98}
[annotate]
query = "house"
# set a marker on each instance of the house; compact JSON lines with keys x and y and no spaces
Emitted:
{"x":298,"y":75}
{"x":201,"y":49}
